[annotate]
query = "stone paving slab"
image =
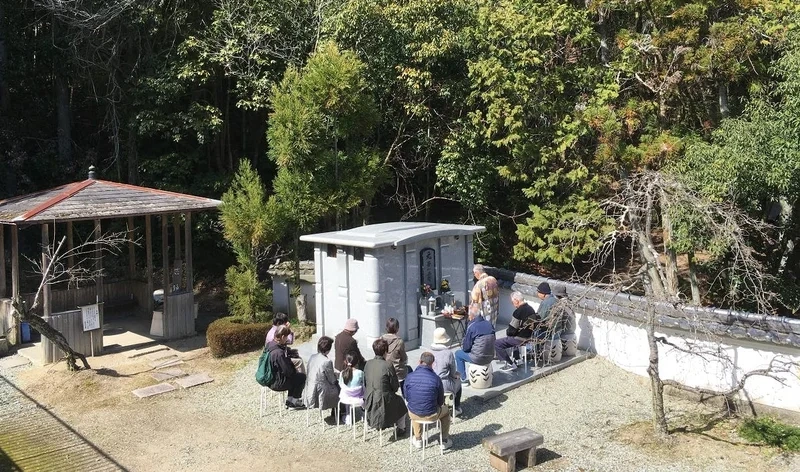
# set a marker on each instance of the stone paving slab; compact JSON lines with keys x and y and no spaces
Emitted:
{"x":194,"y":380}
{"x":168,"y":374}
{"x":153,"y":390}
{"x":147,"y":350}
{"x":14,"y":361}
{"x":170,"y":362}
{"x":162,"y":355}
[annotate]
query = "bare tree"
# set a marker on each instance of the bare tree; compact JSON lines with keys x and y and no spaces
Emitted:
{"x":70,"y":266}
{"x":636,"y":208}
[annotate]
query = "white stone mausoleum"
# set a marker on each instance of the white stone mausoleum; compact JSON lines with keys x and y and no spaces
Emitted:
{"x":374,"y":272}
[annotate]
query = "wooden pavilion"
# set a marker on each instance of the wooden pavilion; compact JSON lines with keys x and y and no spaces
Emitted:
{"x":96,"y":200}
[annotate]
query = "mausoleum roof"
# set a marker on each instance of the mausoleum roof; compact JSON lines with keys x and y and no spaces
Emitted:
{"x":391,"y":234}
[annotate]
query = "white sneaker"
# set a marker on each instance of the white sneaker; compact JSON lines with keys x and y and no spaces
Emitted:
{"x":447,"y":444}
{"x":417,"y":443}
{"x":457,"y":412}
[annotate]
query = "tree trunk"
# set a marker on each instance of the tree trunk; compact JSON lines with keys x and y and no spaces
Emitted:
{"x":693,"y":279}
{"x":656,"y":386}
{"x":64,"y":120}
{"x":3,"y":65}
{"x":55,"y":336}
{"x":672,"y":257}
{"x":724,"y":110}
{"x":133,"y":157}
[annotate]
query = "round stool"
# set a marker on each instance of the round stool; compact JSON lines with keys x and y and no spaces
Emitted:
{"x":552,"y":351}
{"x":480,"y":376}
{"x":352,"y":404}
{"x":569,"y":343}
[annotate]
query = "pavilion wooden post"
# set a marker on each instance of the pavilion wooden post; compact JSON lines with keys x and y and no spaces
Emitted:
{"x":131,"y":250}
{"x":188,"y":254}
{"x":2,"y":261}
{"x":13,"y":335}
{"x":176,"y":228}
{"x":98,"y":254}
{"x":46,"y":306}
{"x":148,"y":235}
{"x":165,"y":257}
{"x":70,"y":256}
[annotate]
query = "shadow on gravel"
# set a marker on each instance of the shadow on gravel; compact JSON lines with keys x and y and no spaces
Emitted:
{"x":543,"y":455}
{"x":473,"y":406}
{"x":470,"y":439}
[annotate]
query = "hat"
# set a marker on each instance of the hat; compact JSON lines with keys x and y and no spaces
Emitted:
{"x":560,"y":291}
{"x":351,"y":324}
{"x":440,"y":336}
{"x":543,"y":288}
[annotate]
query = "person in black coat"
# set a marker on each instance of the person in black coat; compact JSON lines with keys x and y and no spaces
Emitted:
{"x":285,"y":374}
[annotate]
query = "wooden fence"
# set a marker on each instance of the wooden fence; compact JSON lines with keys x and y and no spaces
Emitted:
{"x":70,"y":324}
{"x":178,"y":315}
{"x":69,"y":299}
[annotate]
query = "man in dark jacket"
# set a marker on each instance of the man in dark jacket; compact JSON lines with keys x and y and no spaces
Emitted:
{"x":285,"y":374}
{"x":478,"y":345}
{"x":519,"y":330}
{"x":544,"y":294}
{"x":424,"y":392}
{"x":345,"y":343}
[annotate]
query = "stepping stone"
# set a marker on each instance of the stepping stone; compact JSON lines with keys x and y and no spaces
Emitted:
{"x":193,"y":380}
{"x":153,"y":390}
{"x":168,"y":362}
{"x":157,"y":356}
{"x":168,"y":374}
{"x":14,"y":361}
{"x":147,"y":350}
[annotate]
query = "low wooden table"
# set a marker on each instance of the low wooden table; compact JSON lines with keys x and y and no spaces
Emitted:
{"x":508,"y":448}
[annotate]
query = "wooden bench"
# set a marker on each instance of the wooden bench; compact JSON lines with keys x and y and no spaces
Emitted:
{"x":508,"y":448}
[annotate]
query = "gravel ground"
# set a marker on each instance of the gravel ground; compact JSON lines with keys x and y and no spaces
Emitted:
{"x":216,"y":427}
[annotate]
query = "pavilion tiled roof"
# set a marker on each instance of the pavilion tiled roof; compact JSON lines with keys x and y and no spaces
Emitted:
{"x":97,"y":199}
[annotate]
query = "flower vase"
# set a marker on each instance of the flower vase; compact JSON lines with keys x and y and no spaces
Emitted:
{"x":423,"y":306}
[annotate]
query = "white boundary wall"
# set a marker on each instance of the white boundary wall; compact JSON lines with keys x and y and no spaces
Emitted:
{"x":624,"y":342}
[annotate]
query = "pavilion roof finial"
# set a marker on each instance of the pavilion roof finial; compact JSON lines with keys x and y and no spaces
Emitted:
{"x":92,"y":173}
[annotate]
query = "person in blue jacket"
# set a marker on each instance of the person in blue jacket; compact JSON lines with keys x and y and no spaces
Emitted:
{"x":477,"y":347}
{"x":424,"y":392}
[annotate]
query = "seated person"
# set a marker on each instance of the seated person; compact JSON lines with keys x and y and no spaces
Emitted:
{"x":285,"y":374}
{"x":519,"y":330}
{"x":345,"y":343}
{"x":478,"y":345}
{"x":385,"y":408}
{"x":444,"y":365}
{"x":397,"y":349}
{"x":281,"y":319}
{"x":351,"y":384}
{"x":425,"y":394}
{"x":321,"y":389}
{"x":544,"y":294}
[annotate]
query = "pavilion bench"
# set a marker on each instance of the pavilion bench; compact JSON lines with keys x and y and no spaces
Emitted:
{"x":508,"y":448}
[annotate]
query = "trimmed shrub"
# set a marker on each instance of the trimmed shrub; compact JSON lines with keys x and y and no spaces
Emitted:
{"x":765,"y":429}
{"x":228,"y":336}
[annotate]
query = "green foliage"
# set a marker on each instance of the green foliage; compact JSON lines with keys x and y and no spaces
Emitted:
{"x":228,"y":336}
{"x":248,"y":298}
{"x":768,"y":430}
{"x":318,"y":133}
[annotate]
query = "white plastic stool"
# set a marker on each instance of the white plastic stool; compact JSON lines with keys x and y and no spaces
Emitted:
{"x":425,"y":424}
{"x":380,"y":431}
{"x":480,"y":376}
{"x":352,"y":404}
{"x":280,"y":396}
{"x":321,"y":418}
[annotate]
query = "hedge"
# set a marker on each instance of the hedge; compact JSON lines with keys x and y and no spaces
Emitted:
{"x":228,"y":336}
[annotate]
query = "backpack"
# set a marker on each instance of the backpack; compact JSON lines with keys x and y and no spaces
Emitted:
{"x":264,"y":375}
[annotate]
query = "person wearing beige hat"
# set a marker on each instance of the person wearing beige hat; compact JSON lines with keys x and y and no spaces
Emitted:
{"x":444,"y":366}
{"x":345,"y":343}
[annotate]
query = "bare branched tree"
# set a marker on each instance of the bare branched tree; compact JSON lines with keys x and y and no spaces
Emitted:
{"x":54,"y":269}
{"x":729,"y":234}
